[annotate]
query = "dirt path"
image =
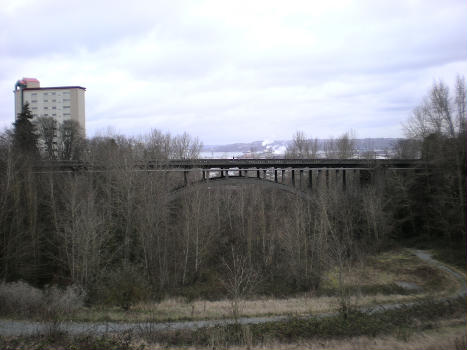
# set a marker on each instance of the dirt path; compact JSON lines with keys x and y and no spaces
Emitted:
{"x":15,"y":328}
{"x":458,"y":276}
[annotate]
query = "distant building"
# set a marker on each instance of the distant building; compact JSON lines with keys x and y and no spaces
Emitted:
{"x":59,"y":102}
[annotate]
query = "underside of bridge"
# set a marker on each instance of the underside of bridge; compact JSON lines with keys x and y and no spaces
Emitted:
{"x":299,"y":182}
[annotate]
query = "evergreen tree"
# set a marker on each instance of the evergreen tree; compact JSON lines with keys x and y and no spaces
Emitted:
{"x":24,"y":134}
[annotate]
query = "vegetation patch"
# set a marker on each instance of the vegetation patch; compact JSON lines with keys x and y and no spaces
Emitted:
{"x":124,"y":341}
{"x":371,"y":283}
{"x":401,"y":323}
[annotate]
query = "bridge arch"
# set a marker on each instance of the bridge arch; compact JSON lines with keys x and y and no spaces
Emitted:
{"x":218,"y":182}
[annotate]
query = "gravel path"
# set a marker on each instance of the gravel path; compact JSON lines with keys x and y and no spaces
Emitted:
{"x":16,"y":328}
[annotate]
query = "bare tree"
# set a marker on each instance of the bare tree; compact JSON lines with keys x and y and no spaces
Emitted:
{"x":240,"y":280}
{"x":344,"y":147}
{"x":337,"y":228}
{"x":435,"y":114}
{"x":302,"y":147}
{"x":460,"y":103}
{"x":439,"y":125}
{"x":185,"y":147}
{"x":70,"y":140}
{"x":407,"y":149}
{"x":47,"y":128}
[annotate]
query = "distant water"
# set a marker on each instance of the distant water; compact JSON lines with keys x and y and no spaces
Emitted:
{"x":380,"y":154}
{"x":220,"y":155}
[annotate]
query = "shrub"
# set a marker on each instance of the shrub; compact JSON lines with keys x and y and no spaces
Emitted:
{"x":21,"y":299}
{"x":124,"y":287}
{"x":62,"y":301}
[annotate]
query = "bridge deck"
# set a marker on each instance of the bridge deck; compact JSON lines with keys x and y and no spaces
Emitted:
{"x":222,"y":164}
{"x":291,"y":163}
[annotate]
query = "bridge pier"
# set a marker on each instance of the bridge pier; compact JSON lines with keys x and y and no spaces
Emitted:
{"x":364,"y":177}
{"x":275,"y":175}
{"x":310,"y":179}
{"x":293,"y":178}
{"x":355,"y":177}
{"x":344,"y":182}
{"x":185,"y":177}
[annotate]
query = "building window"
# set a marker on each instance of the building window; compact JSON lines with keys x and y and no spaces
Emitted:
{"x":54,"y":114}
{"x":66,"y":114}
{"x":34,"y":94}
{"x":34,"y":107}
{"x":54,"y":100}
{"x":66,"y":99}
{"x":54,"y":107}
{"x":46,"y":93}
{"x":34,"y":101}
{"x":46,"y":107}
{"x":46,"y":100}
{"x":53,"y":93}
{"x":66,"y":106}
{"x":46,"y":115}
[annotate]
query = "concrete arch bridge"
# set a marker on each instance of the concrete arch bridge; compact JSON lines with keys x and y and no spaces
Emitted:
{"x":297,"y":176}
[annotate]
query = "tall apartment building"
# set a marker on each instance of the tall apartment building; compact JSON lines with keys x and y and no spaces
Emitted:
{"x":59,"y":102}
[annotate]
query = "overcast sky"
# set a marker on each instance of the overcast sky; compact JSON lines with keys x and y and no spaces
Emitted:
{"x":236,"y":71}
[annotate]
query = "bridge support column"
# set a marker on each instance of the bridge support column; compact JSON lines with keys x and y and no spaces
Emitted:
{"x":379,"y":176}
{"x":264,"y":174}
{"x":258,"y":174}
{"x":310,"y":179}
{"x":344,"y":182}
{"x":293,"y":178}
{"x":282,"y":175}
{"x":300,"y":174}
{"x":355,"y":178}
{"x":275,"y":175}
{"x":185,"y":177}
{"x":365,"y":177}
{"x":204,"y":175}
{"x":327,"y":177}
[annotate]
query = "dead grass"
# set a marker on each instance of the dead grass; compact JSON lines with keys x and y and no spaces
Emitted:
{"x":177,"y":309}
{"x":394,"y":266}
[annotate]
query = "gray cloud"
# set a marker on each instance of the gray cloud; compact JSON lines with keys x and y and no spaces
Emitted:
{"x":236,"y":71}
